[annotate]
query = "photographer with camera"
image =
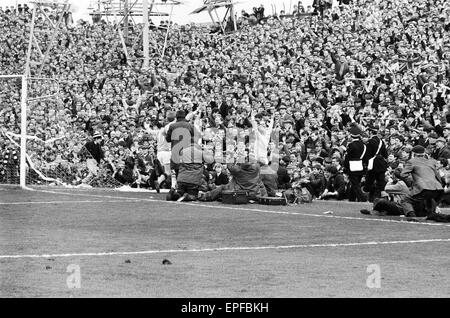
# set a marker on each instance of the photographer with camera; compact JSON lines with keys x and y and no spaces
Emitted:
{"x":427,"y":190}
{"x":390,"y":200}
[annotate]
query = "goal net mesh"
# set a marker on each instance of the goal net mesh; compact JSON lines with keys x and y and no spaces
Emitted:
{"x":55,"y":143}
{"x":10,"y":90}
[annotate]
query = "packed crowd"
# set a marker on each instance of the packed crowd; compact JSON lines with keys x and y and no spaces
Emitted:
{"x":379,"y":65}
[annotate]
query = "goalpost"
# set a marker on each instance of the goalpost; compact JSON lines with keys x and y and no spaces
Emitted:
{"x":23,"y":136}
{"x":48,"y":154}
{"x":34,"y":166}
{"x":25,"y":77}
{"x":23,"y":104}
{"x":23,"y":125}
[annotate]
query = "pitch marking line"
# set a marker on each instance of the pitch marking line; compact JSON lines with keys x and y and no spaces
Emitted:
{"x":222,"y":249}
{"x":317,"y":215}
{"x":254,"y":209}
{"x":153,"y":192}
{"x":60,"y":202}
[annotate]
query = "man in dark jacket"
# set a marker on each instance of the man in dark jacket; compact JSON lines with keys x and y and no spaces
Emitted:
{"x":340,"y":66}
{"x":319,"y":6}
{"x":180,"y":134}
{"x":95,"y":155}
{"x":245,"y":176}
{"x":190,"y":174}
{"x":284,"y":180}
{"x":336,"y":185}
{"x":94,"y":147}
{"x":442,"y":151}
{"x":426,"y":190}
{"x":127,"y":175}
{"x":318,"y":181}
{"x":389,"y":202}
{"x":353,"y":165}
{"x":220,"y":177}
{"x":376,"y":156}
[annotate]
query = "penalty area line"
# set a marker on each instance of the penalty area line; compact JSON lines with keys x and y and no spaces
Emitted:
{"x":224,"y":249}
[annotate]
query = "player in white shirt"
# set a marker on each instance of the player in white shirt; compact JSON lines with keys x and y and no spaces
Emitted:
{"x":163,"y":149}
{"x":262,"y":138}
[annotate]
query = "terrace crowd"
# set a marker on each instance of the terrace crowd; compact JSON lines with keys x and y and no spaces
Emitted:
{"x":377,"y":65}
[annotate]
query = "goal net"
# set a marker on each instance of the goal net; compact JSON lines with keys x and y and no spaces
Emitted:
{"x":55,"y":152}
{"x":10,"y":93}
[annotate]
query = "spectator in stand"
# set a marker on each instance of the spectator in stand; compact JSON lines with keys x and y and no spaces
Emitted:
{"x":336,"y":185}
{"x":375,"y":64}
{"x":442,"y":150}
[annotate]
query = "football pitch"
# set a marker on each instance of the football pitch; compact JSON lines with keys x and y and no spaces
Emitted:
{"x":57,"y":242}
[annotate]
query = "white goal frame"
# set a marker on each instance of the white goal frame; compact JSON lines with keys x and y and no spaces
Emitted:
{"x":26,"y":77}
{"x":23,"y":126}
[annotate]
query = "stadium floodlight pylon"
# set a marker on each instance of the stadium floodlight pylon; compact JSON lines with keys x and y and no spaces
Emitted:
{"x":213,"y":5}
{"x":125,"y":9}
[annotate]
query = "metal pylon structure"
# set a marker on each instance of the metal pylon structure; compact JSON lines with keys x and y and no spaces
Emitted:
{"x":212,"y":5}
{"x":124,"y":10}
{"x":133,"y":8}
{"x":61,"y":9}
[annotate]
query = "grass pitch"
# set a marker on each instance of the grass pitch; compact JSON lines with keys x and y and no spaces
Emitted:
{"x":118,"y":241}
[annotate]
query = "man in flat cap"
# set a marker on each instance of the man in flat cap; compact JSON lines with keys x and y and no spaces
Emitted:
{"x":95,"y":155}
{"x":426,"y":190}
{"x":442,"y":150}
{"x":353,"y":164}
